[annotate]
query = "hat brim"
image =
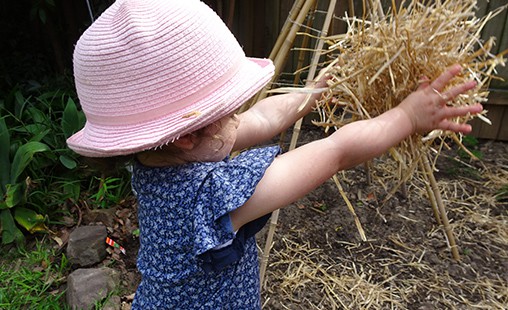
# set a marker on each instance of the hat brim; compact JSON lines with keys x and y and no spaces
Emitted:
{"x":114,"y":140}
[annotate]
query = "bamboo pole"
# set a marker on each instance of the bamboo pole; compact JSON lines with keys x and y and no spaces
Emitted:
{"x":280,"y":57}
{"x":297,"y":127}
{"x":297,"y":7}
{"x":275,"y":215}
{"x":301,"y":55}
{"x":231,"y":14}
{"x":288,"y":42}
{"x":351,"y":8}
{"x":299,"y":11}
{"x":313,"y":67}
{"x":430,"y":193}
{"x":351,"y":208}
{"x":295,"y":11}
{"x":440,"y":205}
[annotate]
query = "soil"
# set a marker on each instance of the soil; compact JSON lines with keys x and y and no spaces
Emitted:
{"x":319,"y":260}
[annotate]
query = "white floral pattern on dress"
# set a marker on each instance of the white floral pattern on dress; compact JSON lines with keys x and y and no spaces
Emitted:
{"x":183,"y":214}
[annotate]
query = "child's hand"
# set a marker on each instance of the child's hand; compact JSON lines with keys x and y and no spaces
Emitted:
{"x":427,"y":106}
{"x":322,"y":78}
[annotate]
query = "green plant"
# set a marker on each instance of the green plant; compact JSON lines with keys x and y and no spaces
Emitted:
{"x":46,"y":197}
{"x":38,"y":172}
{"x":13,"y":188}
{"x":471,"y":143}
{"x":455,"y":169}
{"x":33,"y":152}
{"x":72,"y":121}
{"x":106,"y":300}
{"x":110,"y":192}
{"x":33,"y":279}
{"x":38,"y":10}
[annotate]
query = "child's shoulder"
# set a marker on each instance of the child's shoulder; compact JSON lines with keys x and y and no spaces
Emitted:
{"x":258,"y":155}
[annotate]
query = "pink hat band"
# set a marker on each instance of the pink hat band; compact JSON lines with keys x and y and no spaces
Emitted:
{"x":150,"y":71}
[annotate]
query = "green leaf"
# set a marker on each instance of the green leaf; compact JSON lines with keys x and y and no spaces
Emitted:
{"x":14,"y":194}
{"x":8,"y":226}
{"x":24,"y":156}
{"x":40,"y":124}
{"x":39,"y":134}
{"x":68,"y":162}
{"x":30,"y":220}
{"x":37,"y":115}
{"x":469,"y":141}
{"x":5,"y":163}
{"x":73,"y":189}
{"x":10,"y":232}
{"x":20,"y":103}
{"x":72,"y":119}
{"x":42,"y":16}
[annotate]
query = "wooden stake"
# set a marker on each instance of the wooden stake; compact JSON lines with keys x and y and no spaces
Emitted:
{"x":444,"y":218}
{"x":288,"y":31}
{"x":296,"y":130}
{"x":351,"y":208}
{"x":301,"y":58}
{"x":430,"y":193}
{"x":295,"y":11}
{"x":231,"y":14}
{"x":275,"y":215}
{"x":279,"y":59}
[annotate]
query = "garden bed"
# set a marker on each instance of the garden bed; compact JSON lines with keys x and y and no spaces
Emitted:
{"x":319,"y":261}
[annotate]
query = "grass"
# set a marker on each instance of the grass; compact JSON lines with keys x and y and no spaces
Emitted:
{"x":32,"y":279}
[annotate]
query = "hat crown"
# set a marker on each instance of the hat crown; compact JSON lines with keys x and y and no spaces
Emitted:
{"x":150,"y":71}
{"x":144,"y":58}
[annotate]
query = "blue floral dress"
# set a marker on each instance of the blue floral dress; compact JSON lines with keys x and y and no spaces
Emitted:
{"x":184,"y":220}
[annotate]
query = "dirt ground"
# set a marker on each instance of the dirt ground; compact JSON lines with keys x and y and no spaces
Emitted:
{"x":318,"y":260}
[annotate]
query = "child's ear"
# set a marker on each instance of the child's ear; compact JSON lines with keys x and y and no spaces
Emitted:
{"x":185,"y":143}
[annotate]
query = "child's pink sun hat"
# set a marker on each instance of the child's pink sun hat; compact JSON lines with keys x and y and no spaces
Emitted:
{"x":150,"y":71}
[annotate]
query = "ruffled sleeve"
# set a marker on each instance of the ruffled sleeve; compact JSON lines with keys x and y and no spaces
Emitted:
{"x":225,"y":188}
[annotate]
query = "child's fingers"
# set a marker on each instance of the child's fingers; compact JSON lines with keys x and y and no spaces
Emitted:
{"x":457,"y":90}
{"x":446,"y":114}
{"x":440,"y":83}
{"x":455,"y":127}
{"x":451,"y":112}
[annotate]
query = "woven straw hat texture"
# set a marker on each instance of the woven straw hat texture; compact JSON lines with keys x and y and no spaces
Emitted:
{"x":150,"y":71}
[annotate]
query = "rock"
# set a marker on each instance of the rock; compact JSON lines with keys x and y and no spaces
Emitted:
{"x":86,"y":287}
{"x":104,"y":216}
{"x":113,"y":303}
{"x":87,"y":245}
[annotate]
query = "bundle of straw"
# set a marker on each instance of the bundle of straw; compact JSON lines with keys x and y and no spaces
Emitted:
{"x":382,"y":58}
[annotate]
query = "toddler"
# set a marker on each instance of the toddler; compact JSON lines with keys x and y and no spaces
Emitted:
{"x":160,"y":80}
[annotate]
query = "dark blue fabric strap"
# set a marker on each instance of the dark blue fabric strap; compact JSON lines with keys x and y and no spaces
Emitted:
{"x":218,"y":259}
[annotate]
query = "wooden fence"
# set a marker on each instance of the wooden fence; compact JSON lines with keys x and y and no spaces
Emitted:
{"x":497,"y":105}
{"x":257,"y":23}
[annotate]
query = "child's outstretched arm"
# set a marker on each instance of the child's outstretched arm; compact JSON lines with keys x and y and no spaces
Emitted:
{"x":296,"y":173}
{"x":273,"y":115}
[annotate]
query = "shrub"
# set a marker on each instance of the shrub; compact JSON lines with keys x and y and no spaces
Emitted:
{"x":34,"y":156}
